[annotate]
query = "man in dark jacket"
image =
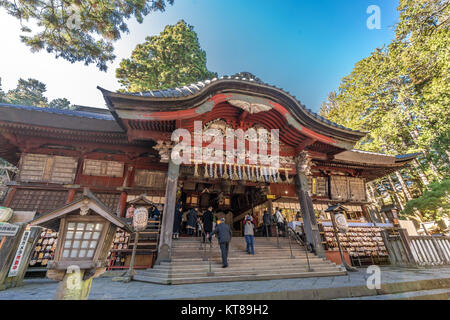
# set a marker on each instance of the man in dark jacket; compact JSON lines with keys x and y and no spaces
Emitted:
{"x":208,"y":219}
{"x":191,"y":221}
{"x":223,"y":232}
{"x":267,"y":222}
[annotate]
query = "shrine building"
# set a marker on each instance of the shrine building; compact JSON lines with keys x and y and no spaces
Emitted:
{"x":123,"y":155}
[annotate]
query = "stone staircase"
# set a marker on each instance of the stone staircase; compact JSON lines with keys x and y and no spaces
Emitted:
{"x":195,"y":263}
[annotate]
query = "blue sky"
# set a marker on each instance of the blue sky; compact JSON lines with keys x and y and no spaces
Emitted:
{"x":305,"y":47}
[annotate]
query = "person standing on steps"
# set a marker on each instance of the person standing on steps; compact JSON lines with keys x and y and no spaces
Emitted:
{"x":249,"y":234}
{"x":191,"y":221}
{"x":207,"y":219}
{"x":267,"y":221}
{"x":177,"y":222}
{"x":280,"y":221}
{"x":223,"y":232}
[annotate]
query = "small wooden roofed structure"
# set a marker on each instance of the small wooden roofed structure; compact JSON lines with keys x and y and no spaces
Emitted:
{"x":336,"y":208}
{"x":141,"y":200}
{"x":51,"y":220}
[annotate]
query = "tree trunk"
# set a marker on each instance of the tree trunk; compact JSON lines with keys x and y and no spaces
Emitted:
{"x":404,"y":186}
{"x":422,"y":175}
{"x":397,"y":199}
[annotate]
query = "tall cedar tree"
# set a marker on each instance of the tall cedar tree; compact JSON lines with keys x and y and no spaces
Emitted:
{"x":171,"y":59}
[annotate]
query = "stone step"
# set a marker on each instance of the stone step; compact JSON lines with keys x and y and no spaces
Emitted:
{"x":434,"y":294}
{"x":229,"y":278}
{"x":225,"y":272}
{"x":245,"y":259}
{"x":238,"y":268}
{"x":235,"y":253}
{"x":237,"y":248}
{"x":244,"y":264}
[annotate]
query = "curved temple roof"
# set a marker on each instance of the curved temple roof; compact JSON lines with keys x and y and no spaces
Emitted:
{"x":194,"y":95}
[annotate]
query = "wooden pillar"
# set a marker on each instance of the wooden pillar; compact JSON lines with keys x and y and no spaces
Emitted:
{"x":165,"y":242}
{"x":10,"y":197}
{"x":70,"y":196}
{"x":309,"y":218}
{"x":122,"y":204}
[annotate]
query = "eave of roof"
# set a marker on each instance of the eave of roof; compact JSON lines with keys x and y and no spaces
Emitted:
{"x":192,"y":95}
{"x":57,"y":118}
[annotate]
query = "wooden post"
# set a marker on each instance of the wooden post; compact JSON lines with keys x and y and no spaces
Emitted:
{"x":165,"y":243}
{"x":70,"y":196}
{"x":311,"y":228}
{"x":10,"y":196}
{"x":122,"y":204}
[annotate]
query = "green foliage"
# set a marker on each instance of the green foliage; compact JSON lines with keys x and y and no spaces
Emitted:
{"x":71,"y":28}
{"x":401,"y":93}
{"x":434,"y":202}
{"x":60,"y":103}
{"x":28,"y":92}
{"x":171,"y":59}
{"x":31,"y":93}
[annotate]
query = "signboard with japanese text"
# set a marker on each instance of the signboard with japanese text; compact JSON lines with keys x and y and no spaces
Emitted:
{"x":13,"y":271}
{"x":8,"y":229}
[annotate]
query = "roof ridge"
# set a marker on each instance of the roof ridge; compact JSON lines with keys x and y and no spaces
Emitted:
{"x":242,"y":76}
{"x":77,"y":113}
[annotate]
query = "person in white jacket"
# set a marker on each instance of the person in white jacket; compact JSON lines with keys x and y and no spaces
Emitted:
{"x":280,"y":220}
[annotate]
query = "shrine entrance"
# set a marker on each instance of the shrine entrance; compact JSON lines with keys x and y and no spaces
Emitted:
{"x":229,"y":199}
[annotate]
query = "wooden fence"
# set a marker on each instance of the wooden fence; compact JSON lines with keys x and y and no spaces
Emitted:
{"x":416,"y":250}
{"x":429,"y":250}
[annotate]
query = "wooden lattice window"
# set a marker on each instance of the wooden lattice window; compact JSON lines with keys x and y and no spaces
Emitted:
{"x":81,"y":240}
{"x":44,"y":168}
{"x":145,"y":178}
{"x":42,"y":201}
{"x":103,"y":168}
